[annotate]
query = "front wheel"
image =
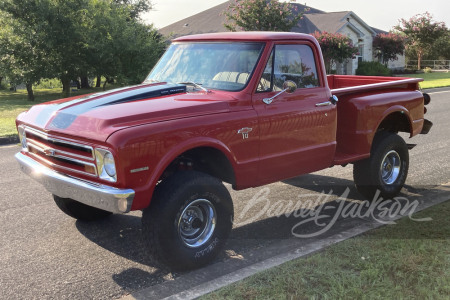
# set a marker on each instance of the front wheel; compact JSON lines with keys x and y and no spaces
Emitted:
{"x":386,"y":169}
{"x":188,"y":220}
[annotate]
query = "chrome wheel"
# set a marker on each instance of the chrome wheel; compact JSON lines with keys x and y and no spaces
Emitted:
{"x":197,"y":223}
{"x":390,"y":167}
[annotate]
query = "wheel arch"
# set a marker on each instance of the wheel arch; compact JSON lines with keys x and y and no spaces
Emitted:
{"x":208,"y":155}
{"x":396,"y":119}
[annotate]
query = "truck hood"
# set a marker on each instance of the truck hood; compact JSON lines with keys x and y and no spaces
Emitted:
{"x":96,"y":116}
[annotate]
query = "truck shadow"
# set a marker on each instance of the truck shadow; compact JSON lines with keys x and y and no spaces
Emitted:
{"x":254,"y":229}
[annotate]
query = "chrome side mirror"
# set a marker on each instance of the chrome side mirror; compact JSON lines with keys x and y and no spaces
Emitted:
{"x":288,"y":86}
{"x":334,"y":99}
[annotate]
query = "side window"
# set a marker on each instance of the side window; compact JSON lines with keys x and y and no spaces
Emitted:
{"x":290,"y":62}
{"x":265,"y":83}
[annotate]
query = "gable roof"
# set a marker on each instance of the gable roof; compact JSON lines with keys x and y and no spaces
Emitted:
{"x":210,"y":20}
{"x":330,"y":22}
{"x":213,"y":19}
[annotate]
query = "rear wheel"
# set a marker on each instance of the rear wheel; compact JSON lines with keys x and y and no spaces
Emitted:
{"x":79,"y":210}
{"x":386,"y":169}
{"x":188,"y":220}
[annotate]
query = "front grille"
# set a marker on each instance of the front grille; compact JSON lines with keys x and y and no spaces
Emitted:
{"x":60,"y":154}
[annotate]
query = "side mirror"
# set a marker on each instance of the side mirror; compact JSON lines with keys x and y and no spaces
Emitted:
{"x":288,"y":86}
{"x":334,"y":99}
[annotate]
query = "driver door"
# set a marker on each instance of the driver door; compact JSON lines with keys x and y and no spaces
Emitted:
{"x":297,"y":130}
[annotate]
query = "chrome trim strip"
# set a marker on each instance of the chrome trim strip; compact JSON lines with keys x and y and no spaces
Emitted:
{"x":44,"y":147}
{"x":62,"y":167}
{"x":90,"y":193}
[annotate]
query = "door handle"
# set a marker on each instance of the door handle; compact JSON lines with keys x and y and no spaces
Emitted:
{"x":326,"y":103}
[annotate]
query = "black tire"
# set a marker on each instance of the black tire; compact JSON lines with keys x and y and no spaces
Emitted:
{"x":174,"y":243}
{"x":79,"y":210}
{"x":386,"y":169}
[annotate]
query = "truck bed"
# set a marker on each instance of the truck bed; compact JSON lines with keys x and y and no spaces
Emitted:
{"x":364,"y":101}
{"x":344,"y":84}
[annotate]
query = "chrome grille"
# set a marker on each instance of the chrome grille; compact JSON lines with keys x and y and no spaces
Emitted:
{"x":59,"y":153}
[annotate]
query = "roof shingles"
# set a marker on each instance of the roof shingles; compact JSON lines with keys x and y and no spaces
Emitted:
{"x":213,"y":19}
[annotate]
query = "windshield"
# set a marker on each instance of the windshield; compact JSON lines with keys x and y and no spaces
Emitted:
{"x":222,"y":66}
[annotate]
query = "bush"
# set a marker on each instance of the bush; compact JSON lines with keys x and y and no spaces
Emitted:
{"x":372,"y":68}
{"x":49,"y":84}
{"x":427,"y":70}
{"x":404,"y":71}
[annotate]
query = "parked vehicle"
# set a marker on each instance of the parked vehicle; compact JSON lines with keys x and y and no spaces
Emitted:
{"x":243,"y":108}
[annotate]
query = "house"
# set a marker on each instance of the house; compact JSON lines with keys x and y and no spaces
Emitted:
{"x":345,"y":22}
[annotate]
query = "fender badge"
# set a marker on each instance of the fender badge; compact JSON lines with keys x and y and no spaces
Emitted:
{"x":244,"y":131}
{"x":139,"y":170}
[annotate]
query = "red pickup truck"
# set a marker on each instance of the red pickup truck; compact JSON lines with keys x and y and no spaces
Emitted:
{"x":243,"y":108}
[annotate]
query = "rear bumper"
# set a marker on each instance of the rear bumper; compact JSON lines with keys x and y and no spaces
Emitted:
{"x":97,"y":195}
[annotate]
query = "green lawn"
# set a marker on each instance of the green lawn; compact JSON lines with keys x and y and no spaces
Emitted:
{"x":432,"y":80}
{"x":409,"y":260}
{"x":13,"y":103}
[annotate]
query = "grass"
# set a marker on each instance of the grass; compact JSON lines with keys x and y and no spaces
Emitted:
{"x":432,"y":80}
{"x":13,"y":103}
{"x":409,"y":260}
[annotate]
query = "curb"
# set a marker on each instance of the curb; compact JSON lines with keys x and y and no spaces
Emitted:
{"x":436,"y":90}
{"x":8,"y":140}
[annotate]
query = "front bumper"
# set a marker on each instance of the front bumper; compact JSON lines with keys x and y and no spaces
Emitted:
{"x":90,"y":193}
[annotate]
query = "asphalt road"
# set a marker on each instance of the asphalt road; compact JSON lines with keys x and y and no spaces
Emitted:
{"x":46,"y":254}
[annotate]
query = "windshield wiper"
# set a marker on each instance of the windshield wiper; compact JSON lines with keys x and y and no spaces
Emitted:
{"x":197,"y":85}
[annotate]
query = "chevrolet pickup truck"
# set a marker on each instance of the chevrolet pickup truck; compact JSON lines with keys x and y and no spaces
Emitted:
{"x":247,"y":109}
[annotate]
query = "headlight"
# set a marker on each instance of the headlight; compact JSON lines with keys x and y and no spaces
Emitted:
{"x":106,"y":166}
{"x":109,"y":165}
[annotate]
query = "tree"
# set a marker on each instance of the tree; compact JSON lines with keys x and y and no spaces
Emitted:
{"x":335,"y":48}
{"x":72,"y":39}
{"x":55,"y":28}
{"x":421,"y":31}
{"x":134,"y":7}
{"x":21,"y":53}
{"x":388,"y":46}
{"x":441,"y":47}
{"x":120,"y":47}
{"x":261,"y":15}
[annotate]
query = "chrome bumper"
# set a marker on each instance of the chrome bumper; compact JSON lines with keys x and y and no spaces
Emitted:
{"x":89,"y":193}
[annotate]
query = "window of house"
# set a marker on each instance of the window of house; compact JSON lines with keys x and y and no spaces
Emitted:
{"x":361,"y":53}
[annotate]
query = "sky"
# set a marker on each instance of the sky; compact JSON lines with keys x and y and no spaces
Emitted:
{"x":382,"y":14}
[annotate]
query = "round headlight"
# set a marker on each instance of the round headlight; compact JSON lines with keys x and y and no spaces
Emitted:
{"x":109,"y":164}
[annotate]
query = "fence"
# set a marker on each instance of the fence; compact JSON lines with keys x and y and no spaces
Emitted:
{"x":433,"y":64}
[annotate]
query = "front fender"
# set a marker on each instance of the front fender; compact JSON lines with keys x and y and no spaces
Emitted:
{"x":171,"y":155}
{"x":145,"y":151}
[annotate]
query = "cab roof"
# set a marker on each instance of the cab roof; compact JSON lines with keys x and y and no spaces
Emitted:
{"x":246,"y":36}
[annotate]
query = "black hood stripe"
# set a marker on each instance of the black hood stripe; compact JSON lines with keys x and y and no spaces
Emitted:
{"x":65,"y":113}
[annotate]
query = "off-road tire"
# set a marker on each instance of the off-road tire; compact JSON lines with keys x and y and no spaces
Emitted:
{"x":162,"y":225}
{"x":372,"y":175}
